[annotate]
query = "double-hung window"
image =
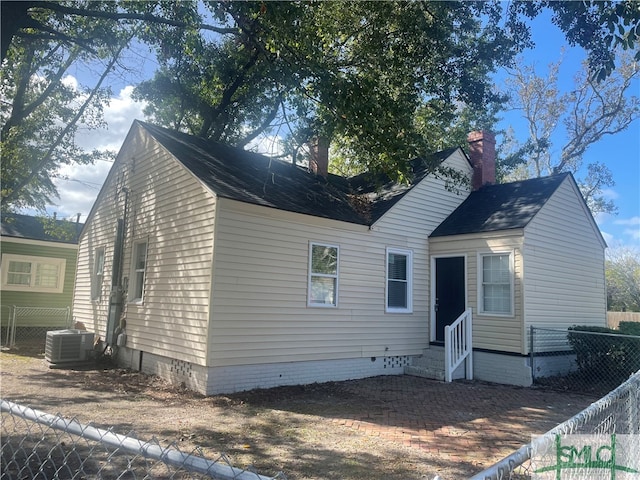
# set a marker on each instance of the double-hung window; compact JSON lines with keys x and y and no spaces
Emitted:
{"x":399,"y":296}
{"x":33,"y":274}
{"x":138,"y":270}
{"x":323,"y":275}
{"x":496,"y":283}
{"x":98,"y":274}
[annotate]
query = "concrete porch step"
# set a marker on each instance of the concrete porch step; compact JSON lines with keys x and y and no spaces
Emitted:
{"x":425,"y":372}
{"x":431,"y":365}
{"x":431,"y":357}
{"x":428,"y":362}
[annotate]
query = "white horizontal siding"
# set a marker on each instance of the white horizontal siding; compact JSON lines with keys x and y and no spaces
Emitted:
{"x":501,"y":333}
{"x":564,"y":263}
{"x":258,"y":304}
{"x":100,"y":232}
{"x":260,"y":313}
{"x":421,"y":210}
{"x":170,"y":209}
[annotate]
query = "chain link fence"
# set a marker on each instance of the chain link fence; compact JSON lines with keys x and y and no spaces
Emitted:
{"x":36,"y":445}
{"x":29,"y":325}
{"x":582,"y":360}
{"x":617,"y":413}
{"x":5,"y":322}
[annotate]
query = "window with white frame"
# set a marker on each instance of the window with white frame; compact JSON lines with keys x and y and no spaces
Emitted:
{"x":138,"y":269}
{"x":399,"y":281}
{"x":496,"y":283}
{"x":323,"y":275}
{"x":23,"y":273}
{"x":98,"y":274}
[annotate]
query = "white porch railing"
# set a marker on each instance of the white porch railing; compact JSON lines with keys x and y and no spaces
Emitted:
{"x":458,"y":346}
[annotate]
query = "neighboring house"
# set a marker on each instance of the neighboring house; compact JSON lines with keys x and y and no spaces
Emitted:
{"x":38,"y":269}
{"x":226,"y":270}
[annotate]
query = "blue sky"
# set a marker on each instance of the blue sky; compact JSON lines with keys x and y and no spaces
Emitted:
{"x":621,"y":153}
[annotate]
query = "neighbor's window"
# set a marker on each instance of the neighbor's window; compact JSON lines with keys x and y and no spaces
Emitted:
{"x":496,"y":284}
{"x":399,"y":281}
{"x":138,"y":268}
{"x":323,"y":275}
{"x":98,"y":274}
{"x":33,"y":274}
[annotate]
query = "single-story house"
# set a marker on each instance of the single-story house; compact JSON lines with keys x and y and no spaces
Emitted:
{"x":38,"y":258}
{"x":227,"y":270}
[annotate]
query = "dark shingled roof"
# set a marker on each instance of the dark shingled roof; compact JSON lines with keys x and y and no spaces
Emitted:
{"x":253,"y":178}
{"x":25,"y":226}
{"x":500,"y":207}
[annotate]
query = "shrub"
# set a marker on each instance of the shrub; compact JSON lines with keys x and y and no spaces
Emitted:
{"x":630,"y":328}
{"x":600,"y":356}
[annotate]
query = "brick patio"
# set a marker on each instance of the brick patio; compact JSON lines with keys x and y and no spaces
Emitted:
{"x":472,"y":422}
{"x":450,"y":429}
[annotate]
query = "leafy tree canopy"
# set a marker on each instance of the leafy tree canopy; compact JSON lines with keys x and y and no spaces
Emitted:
{"x":360,"y":73}
{"x":601,"y":27}
{"x":42,"y":108}
{"x":623,"y":279}
{"x":383,"y":80}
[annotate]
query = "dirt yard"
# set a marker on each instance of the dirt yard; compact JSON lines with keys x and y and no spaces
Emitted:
{"x":388,"y":428}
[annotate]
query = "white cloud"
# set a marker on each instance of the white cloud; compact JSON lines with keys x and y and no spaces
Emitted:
{"x":119,"y":115}
{"x":620,"y":232}
{"x":634,"y":234}
{"x":602,"y":218}
{"x":79,"y":185}
{"x":610,"y":194}
{"x":610,"y":239}
{"x":270,"y":145}
{"x":628,"y":221}
{"x":70,"y":82}
{"x":633,"y":227}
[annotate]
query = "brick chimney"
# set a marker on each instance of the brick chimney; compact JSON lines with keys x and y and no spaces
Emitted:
{"x":319,"y":158}
{"x":482,"y":153}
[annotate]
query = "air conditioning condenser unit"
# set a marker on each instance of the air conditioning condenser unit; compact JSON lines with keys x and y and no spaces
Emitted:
{"x":68,"y":346}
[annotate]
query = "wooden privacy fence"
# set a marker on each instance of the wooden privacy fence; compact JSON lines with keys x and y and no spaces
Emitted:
{"x":614,"y":318}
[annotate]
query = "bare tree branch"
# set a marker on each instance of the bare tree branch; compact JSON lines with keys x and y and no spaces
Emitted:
{"x":145,"y":17}
{"x":588,"y":113}
{"x":599,"y":109}
{"x":263,"y":126}
{"x":20,"y":112}
{"x":13,"y":193}
{"x":227,"y":96}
